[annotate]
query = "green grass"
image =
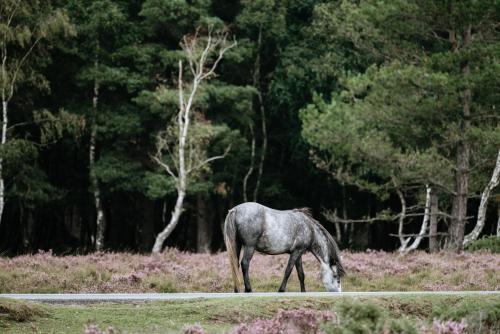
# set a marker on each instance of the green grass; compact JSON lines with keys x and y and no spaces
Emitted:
{"x":218,"y":315}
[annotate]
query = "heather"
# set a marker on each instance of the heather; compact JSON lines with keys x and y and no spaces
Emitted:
{"x":176,"y":271}
{"x":288,"y":321}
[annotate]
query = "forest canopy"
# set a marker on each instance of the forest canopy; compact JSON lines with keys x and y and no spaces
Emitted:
{"x":381,"y":116}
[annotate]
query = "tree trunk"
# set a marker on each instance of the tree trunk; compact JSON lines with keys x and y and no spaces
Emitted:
{"x":204,"y":226}
{"x":262,"y":116}
{"x":100,"y":219}
{"x":459,"y":208}
{"x":252,"y":162}
{"x":338,"y":230}
{"x":425,"y":222}
{"x":498,"y":220}
{"x":404,"y":242}
{"x":344,"y":215}
{"x":72,"y":221}
{"x":197,"y":67}
{"x":183,"y":122}
{"x":483,"y":206}
{"x":433,"y":224}
{"x":145,"y":228}
{"x":2,"y":143}
{"x":174,"y":220}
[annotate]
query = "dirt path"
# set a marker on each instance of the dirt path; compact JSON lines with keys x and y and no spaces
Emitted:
{"x":124,"y":297}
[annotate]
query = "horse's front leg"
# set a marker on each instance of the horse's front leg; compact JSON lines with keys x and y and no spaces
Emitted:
{"x":300,"y":273}
{"x":291,"y":262}
{"x":245,"y":264}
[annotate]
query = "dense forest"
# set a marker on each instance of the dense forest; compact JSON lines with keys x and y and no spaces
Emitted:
{"x":381,"y":116}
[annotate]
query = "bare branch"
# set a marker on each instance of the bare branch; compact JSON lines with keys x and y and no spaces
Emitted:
{"x":333,"y":218}
{"x":219,"y":58}
{"x":19,"y":65}
{"x":417,"y":234}
{"x":164,"y":165}
{"x":203,"y":163}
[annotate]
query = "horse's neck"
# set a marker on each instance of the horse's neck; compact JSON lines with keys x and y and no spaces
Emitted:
{"x":320,"y":246}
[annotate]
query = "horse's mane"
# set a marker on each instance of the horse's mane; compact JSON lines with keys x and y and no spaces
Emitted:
{"x":333,"y":249}
{"x":305,"y":210}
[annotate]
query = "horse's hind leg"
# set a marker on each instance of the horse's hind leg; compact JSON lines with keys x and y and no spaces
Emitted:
{"x":238,"y":252}
{"x":245,"y":264}
{"x":291,"y":262}
{"x":300,"y":273}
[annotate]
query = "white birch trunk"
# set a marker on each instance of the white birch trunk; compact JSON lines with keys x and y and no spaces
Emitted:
{"x":200,"y":73}
{"x":2,"y":143}
{"x":498,"y":220}
{"x":425,"y":222}
{"x":174,"y":219}
{"x":100,"y":219}
{"x":183,"y":123}
{"x":483,"y":206}
{"x":404,"y":242}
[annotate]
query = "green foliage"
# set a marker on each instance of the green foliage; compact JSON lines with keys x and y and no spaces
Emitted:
{"x":488,"y":243}
{"x":361,"y":92}
{"x":119,"y":173}
{"x":480,"y":316}
{"x":397,"y":118}
{"x":55,"y":126}
{"x":358,"y":317}
{"x":24,"y":27}
{"x":158,"y":185}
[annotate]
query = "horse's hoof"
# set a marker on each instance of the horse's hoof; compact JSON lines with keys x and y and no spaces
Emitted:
{"x":280,"y":290}
{"x":236,"y":291}
{"x":249,"y":290}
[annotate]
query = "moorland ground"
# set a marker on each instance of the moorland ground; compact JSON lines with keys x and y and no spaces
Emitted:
{"x":175,"y":271}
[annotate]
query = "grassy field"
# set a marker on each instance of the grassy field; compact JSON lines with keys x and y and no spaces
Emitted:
{"x":410,"y":314}
{"x":174,"y":271}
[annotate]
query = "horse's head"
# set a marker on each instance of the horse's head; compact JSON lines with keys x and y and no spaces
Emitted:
{"x":330,"y":278}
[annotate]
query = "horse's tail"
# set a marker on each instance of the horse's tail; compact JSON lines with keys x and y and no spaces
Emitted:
{"x":230,"y":241}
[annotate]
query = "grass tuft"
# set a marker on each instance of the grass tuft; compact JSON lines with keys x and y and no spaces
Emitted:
{"x":19,"y":311}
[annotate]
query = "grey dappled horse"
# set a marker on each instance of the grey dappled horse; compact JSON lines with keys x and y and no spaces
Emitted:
{"x":258,"y":228}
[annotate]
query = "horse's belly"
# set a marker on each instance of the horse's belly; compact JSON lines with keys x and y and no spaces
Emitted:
{"x":274,"y":244}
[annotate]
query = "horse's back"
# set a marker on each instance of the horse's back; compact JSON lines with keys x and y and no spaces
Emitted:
{"x":268,"y":230}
